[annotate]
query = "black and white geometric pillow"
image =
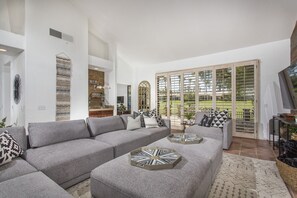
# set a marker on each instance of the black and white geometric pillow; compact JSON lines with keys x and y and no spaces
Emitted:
{"x":152,"y":113}
{"x":9,"y":148}
{"x":136,"y":114}
{"x":160,"y":121}
{"x":220,"y":118}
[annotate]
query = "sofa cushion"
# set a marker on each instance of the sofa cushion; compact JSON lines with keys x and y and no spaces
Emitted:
{"x":155,"y":133}
{"x":124,"y":141}
{"x":65,"y":161}
{"x":32,"y":185}
{"x":19,"y":134}
{"x":17,"y":167}
{"x":211,"y":132}
{"x":46,"y":133}
{"x":103,"y":125}
{"x":9,"y":148}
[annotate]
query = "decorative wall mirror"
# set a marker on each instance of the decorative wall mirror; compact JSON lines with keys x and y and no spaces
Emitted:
{"x":17,"y":89}
{"x":144,"y":95}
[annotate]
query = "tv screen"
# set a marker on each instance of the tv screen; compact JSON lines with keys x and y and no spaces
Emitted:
{"x":288,"y":86}
{"x":120,"y":99}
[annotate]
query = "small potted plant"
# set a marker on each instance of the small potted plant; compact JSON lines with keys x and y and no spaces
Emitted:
{"x":2,"y":123}
{"x":122,"y":108}
{"x":189,"y":116}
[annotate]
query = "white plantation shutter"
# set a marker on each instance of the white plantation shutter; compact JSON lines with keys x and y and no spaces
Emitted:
{"x":205,"y":90}
{"x":162,"y":95}
{"x":245,"y":99}
{"x":175,"y":99}
{"x":189,"y":91}
{"x":224,"y":90}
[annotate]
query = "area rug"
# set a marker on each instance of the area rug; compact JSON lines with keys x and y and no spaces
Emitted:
{"x":238,"y":177}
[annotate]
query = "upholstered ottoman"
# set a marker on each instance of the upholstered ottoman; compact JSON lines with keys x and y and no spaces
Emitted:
{"x":191,"y":177}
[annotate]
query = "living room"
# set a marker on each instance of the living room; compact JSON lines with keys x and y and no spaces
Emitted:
{"x":104,"y":66}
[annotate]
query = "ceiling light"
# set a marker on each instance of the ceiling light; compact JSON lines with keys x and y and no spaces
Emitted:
{"x":2,"y":50}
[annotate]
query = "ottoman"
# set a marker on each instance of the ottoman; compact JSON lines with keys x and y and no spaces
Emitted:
{"x":191,"y":177}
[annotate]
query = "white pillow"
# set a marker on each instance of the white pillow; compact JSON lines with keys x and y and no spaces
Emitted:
{"x":150,"y":122}
{"x":133,"y":124}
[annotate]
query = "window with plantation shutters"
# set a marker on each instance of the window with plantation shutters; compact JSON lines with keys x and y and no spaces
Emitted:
{"x":245,"y":99}
{"x":231,"y":87}
{"x":205,"y":90}
{"x":162,"y":95}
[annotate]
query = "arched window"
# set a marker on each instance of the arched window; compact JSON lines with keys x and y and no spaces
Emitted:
{"x":144,"y":95}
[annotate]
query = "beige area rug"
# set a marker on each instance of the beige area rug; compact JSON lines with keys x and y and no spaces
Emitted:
{"x":238,"y":177}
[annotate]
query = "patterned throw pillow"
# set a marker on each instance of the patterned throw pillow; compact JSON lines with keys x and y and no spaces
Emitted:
{"x":160,"y":121}
{"x":152,"y":113}
{"x":9,"y":148}
{"x":220,"y":118}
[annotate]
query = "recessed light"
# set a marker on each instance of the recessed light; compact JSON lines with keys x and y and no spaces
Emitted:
{"x":2,"y":50}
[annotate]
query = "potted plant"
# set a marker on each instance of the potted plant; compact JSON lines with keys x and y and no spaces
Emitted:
{"x":122,"y":108}
{"x":189,"y":116}
{"x":2,"y":123}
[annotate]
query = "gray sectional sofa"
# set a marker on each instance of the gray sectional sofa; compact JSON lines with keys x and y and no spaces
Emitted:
{"x":61,"y":154}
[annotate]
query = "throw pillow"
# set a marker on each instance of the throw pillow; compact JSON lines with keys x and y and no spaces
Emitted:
{"x":133,"y":124}
{"x":136,"y":114}
{"x":220,"y":119}
{"x":160,"y":121}
{"x":209,"y":121}
{"x":201,"y":123}
{"x":152,"y":113}
{"x":150,"y":122}
{"x":9,"y":148}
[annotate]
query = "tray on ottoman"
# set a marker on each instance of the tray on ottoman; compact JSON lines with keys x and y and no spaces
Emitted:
{"x":154,"y":158}
{"x":183,"y":138}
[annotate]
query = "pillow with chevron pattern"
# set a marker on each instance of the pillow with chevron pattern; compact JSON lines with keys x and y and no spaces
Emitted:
{"x":9,"y":148}
{"x":220,"y":118}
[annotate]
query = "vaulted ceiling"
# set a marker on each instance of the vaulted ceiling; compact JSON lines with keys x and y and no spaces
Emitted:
{"x":157,"y":31}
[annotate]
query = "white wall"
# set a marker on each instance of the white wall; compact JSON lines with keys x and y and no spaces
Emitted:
{"x":5,"y":93}
{"x":41,"y":51}
{"x":97,"y":47}
{"x":18,"y":110}
{"x":274,"y":57}
{"x":12,"y":16}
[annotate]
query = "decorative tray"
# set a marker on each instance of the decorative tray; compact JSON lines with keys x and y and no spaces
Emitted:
{"x":154,"y":158}
{"x":183,"y":138}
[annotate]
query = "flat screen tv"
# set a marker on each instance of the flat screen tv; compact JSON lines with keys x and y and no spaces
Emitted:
{"x":120,"y":99}
{"x":288,"y":86}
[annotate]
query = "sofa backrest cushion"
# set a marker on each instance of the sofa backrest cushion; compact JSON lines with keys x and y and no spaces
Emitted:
{"x":19,"y":134}
{"x":98,"y":126}
{"x":46,"y":133}
{"x":125,"y":118}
